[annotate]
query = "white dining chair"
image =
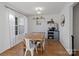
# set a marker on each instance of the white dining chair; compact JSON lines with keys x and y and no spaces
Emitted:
{"x":30,"y":47}
{"x":42,"y":43}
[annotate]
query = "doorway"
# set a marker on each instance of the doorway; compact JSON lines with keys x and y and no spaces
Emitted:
{"x":76,"y":28}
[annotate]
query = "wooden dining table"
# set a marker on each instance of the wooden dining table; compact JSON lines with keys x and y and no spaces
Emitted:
{"x":36,"y":36}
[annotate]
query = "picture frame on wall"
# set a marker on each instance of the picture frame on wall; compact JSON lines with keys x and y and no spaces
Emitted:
{"x":63,"y":20}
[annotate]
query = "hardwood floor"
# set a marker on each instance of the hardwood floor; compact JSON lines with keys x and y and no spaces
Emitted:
{"x":52,"y":48}
{"x":76,"y":53}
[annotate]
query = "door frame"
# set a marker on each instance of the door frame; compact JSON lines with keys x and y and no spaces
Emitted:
{"x":73,"y":50}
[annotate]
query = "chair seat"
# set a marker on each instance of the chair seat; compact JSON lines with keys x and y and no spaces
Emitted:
{"x":30,"y":46}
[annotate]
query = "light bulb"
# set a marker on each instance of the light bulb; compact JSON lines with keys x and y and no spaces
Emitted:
{"x":38,"y":9}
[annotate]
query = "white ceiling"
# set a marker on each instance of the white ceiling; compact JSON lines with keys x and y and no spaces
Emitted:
{"x":28,"y":8}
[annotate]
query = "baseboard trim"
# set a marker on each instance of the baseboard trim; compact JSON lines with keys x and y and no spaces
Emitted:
{"x":64,"y":47}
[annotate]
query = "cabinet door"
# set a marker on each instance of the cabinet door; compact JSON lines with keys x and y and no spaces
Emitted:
{"x":56,"y":35}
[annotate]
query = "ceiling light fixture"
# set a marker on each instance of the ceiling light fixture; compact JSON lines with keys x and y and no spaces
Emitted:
{"x":38,"y":8}
{"x":38,"y":14}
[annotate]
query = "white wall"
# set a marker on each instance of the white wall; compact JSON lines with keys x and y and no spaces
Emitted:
{"x":4,"y":34}
{"x":67,"y":30}
{"x":44,"y":26}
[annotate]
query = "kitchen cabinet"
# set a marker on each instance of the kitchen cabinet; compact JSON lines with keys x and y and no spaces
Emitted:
{"x":53,"y":34}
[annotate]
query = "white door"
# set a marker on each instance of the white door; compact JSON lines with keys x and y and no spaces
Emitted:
{"x":12,"y":30}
